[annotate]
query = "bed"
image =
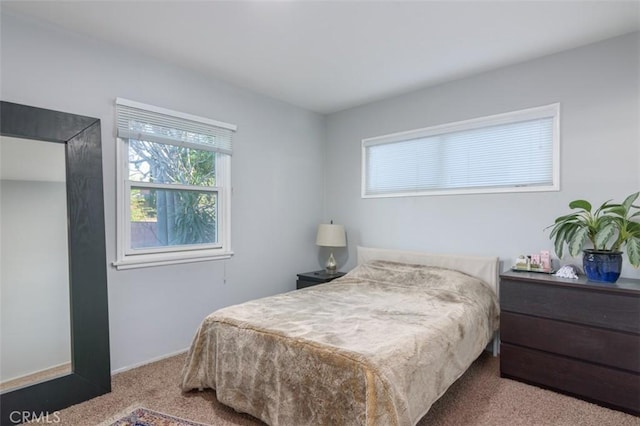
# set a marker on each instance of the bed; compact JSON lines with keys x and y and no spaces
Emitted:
{"x":377,"y":346}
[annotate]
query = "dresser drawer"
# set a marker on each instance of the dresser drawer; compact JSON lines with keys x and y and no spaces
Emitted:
{"x":304,"y":284}
{"x":612,"y":387}
{"x":616,"y":311}
{"x":610,"y":348}
{"x":308,"y":279}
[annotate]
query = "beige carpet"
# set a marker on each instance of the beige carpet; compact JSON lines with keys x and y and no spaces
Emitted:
{"x":480,"y":397}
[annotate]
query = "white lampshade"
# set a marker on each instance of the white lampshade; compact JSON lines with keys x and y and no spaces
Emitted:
{"x":330,"y":235}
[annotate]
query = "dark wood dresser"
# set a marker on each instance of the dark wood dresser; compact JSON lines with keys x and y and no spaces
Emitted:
{"x":573,"y":336}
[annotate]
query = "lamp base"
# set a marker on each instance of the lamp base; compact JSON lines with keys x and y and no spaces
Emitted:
{"x":331,"y":267}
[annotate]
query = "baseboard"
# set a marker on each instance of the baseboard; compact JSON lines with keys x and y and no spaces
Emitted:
{"x":156,"y":359}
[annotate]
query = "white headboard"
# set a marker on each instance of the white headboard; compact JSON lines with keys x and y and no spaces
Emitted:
{"x":485,"y":268}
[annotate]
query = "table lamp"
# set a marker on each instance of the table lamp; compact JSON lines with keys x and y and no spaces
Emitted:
{"x":330,"y":235}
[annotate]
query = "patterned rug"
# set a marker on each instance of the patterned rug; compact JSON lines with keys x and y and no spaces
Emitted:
{"x":145,"y":417}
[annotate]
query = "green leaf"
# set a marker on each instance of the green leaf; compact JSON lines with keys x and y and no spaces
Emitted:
{"x":633,"y":251}
{"x":633,"y":228}
{"x":557,"y":228}
{"x":559,"y":246}
{"x":577,"y":241}
{"x":628,"y":202}
{"x":580,"y":204}
{"x":604,"y":235}
{"x":561,"y":234}
{"x":567,"y":218}
{"x":618,"y":210}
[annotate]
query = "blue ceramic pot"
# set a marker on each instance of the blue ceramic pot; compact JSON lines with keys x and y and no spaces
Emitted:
{"x":602,"y":266}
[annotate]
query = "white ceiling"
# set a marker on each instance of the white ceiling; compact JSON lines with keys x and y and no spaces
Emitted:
{"x":330,"y":55}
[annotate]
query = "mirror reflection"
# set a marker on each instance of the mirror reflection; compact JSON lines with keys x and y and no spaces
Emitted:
{"x":35,"y":342}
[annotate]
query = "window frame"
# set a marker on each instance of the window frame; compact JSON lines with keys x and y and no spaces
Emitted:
{"x":545,"y":111}
{"x":129,"y":258}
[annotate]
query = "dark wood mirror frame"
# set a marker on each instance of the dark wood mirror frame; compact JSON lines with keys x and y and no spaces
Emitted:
{"x":90,"y":360}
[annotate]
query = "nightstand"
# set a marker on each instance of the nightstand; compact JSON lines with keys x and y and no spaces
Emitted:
{"x":308,"y":279}
{"x":573,"y":336}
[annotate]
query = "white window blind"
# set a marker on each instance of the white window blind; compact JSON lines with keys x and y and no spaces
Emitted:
{"x":517,"y":151}
{"x":145,"y":122}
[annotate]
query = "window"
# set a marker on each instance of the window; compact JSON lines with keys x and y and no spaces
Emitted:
{"x":174,"y":188}
{"x":513,"y":152}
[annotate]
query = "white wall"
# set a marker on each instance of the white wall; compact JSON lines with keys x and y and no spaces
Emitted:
{"x":598,"y":88}
{"x":277,"y":173}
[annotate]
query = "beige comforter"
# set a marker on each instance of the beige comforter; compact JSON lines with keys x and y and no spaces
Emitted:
{"x":376,"y":347}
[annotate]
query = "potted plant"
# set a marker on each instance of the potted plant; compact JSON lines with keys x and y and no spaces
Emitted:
{"x":608,"y":229}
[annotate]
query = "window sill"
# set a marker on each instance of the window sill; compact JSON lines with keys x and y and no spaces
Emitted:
{"x":148,"y":261}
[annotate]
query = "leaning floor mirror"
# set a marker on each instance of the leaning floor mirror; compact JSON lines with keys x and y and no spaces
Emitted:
{"x":54,"y":340}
